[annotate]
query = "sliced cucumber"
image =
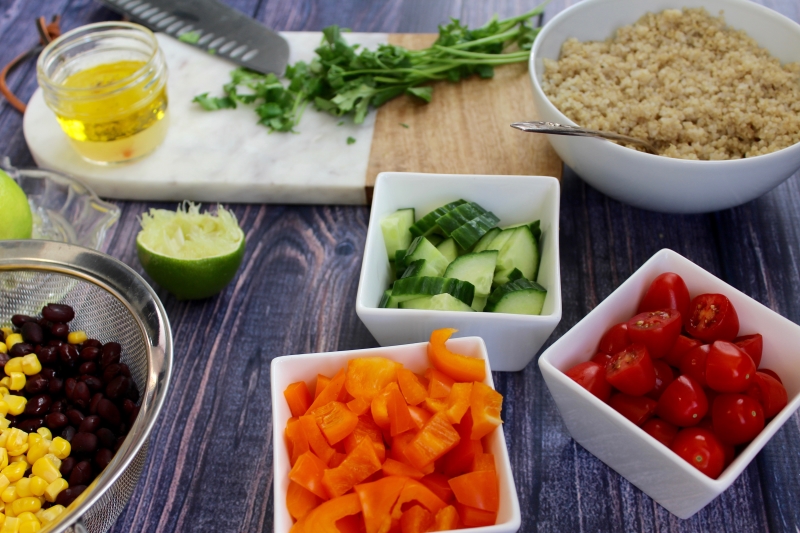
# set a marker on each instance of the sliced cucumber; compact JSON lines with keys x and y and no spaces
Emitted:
{"x":435,"y":239}
{"x":421,"y":248}
{"x":471,"y":232}
{"x":479,"y":302}
{"x":399,"y":264}
{"x":409,"y":288}
{"x":520,"y":297}
{"x":440,"y":302}
{"x":449,"y":249}
{"x":395,"y":230}
{"x":477,"y":268}
{"x":459,"y":216}
{"x":515,"y":275}
{"x":536,"y":229}
{"x":501,"y":239}
{"x":486,"y":240}
{"x":386,"y":300}
{"x":420,"y":267}
{"x":519,"y":251}
{"x":427,"y":224}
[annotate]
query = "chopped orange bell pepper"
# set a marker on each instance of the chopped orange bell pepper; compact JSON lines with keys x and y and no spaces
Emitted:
{"x":307,"y":472}
{"x":418,"y":415}
{"x":416,"y":520}
{"x":297,"y":440}
{"x":392,"y":467}
{"x":484,"y":461}
{"x":361,"y":463}
{"x":316,"y":440}
{"x":337,"y":459}
{"x":366,"y":428}
{"x":300,"y":501}
{"x":368,"y":376}
{"x":485,"y":406}
{"x":331,"y":393}
{"x":458,"y":401}
{"x":414,"y":491}
{"x":436,"y":438}
{"x":324,"y":518}
{"x":400,"y":445}
{"x":400,"y":419}
{"x":446,"y":519}
{"x":412,"y":389}
{"x":335,"y":420}
{"x":298,"y":398}
{"x":438,"y":484}
{"x":377,"y":499}
{"x":435,"y":405}
{"x":359,"y":406}
{"x":477,"y":489}
{"x":457,"y":366}
{"x":460,"y":459}
{"x":438,"y":383}
{"x":472,"y":517}
{"x":322,"y":382}
{"x":353,"y":523}
{"x":380,"y":406}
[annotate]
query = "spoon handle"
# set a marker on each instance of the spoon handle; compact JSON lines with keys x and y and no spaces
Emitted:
{"x":554,"y":128}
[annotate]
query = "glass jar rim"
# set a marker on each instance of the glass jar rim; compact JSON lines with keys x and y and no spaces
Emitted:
{"x":83,"y":33}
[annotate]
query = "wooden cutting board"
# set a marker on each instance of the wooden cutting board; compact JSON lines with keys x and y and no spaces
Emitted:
{"x":224,"y":156}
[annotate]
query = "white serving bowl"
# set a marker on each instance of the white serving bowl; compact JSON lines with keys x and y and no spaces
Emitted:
{"x":293,"y":368}
{"x":656,"y":182}
{"x":512,"y":340}
{"x":619,"y":443}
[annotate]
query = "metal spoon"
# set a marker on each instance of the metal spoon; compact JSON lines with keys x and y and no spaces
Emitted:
{"x":561,"y":129}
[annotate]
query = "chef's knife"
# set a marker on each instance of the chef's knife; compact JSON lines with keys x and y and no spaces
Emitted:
{"x":211,"y":26}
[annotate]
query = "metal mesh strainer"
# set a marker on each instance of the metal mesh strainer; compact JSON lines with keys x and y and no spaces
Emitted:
{"x":111,"y":302}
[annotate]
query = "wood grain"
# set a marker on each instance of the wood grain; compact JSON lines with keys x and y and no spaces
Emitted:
{"x":464,"y":130}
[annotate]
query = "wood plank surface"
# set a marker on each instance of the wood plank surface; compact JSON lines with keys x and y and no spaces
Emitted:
{"x":210,"y":467}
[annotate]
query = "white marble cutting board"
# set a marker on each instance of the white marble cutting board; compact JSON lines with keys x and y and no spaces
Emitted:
{"x":223,"y":156}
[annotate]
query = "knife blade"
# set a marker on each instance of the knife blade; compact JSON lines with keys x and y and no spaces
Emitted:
{"x":211,"y":26}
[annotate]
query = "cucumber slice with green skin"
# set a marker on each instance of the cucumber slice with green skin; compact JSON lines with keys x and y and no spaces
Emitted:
{"x":435,"y":239}
{"x":421,"y":248}
{"x":399,"y":264}
{"x":486,"y":240}
{"x":515,"y":275}
{"x":440,"y":302}
{"x":395,"y":230}
{"x":449,"y":249}
{"x":427,"y":224}
{"x":420,"y":267}
{"x":409,"y":288}
{"x":476,"y":268}
{"x":501,"y":239}
{"x":536,"y":229}
{"x":479,"y":302}
{"x":520,"y":297}
{"x":459,"y":216}
{"x":386,"y":300}
{"x":471,"y":232}
{"x":519,"y":251}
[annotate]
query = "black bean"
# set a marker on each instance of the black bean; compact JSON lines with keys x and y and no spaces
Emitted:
{"x":95,"y":400}
{"x":110,"y":372}
{"x":57,"y":407}
{"x":93,"y":343}
{"x":48,"y":372}
{"x":108,"y":411}
{"x":81,"y":396}
{"x":103,"y":457}
{"x":89,"y":367}
{"x":67,"y":496}
{"x":69,"y":387}
{"x":58,"y":312}
{"x":75,"y":417}
{"x":68,"y":433}
{"x":32,"y":332}
{"x":36,"y":384}
{"x":68,"y":353}
{"x":55,"y":343}
{"x":20,"y":349}
{"x":118,"y":388}
{"x":81,"y":473}
{"x":67,"y":465}
{"x":38,"y":405}
{"x":128,"y":406}
{"x":90,"y":424}
{"x":56,"y":420}
{"x":133,"y":394}
{"x":48,"y":355}
{"x":90,"y":353}
{"x":30,"y":425}
{"x":106,"y":437}
{"x":20,"y":320}
{"x":59,"y":330}
{"x":124,"y":370}
{"x":84,"y":443}
{"x":93,"y":382}
{"x":4,"y":357}
{"x":56,"y":385}
{"x":110,"y":354}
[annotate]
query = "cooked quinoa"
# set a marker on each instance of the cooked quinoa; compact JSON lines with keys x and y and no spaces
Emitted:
{"x":683,"y":80}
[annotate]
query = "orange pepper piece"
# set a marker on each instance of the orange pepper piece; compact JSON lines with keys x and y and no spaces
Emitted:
{"x":331,"y":392}
{"x":472,"y":517}
{"x":300,"y":501}
{"x":436,"y":438}
{"x":416,"y":520}
{"x":392,"y":467}
{"x":324,"y":518}
{"x":359,"y":406}
{"x":361,"y":463}
{"x":400,"y":419}
{"x":366,"y":428}
{"x":298,"y":398}
{"x":438,"y":484}
{"x":418,"y":415}
{"x":316,"y":440}
{"x":297,"y":439}
{"x":412,"y":389}
{"x":335,"y":420}
{"x":435,"y":405}
{"x":380,"y":406}
{"x":307,"y":472}
{"x":446,"y":519}
{"x":457,"y":366}
{"x":458,"y":401}
{"x":414,"y":491}
{"x":367,"y":376}
{"x":485,"y":406}
{"x":322,"y":382}
{"x":439,"y":384}
{"x":353,"y":523}
{"x":484,"y":461}
{"x":461,"y":459}
{"x":477,"y":489}
{"x":377,"y":499}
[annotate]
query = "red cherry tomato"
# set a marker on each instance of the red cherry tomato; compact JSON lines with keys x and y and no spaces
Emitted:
{"x":601,"y":359}
{"x":728,"y":368}
{"x":664,"y":376}
{"x":737,"y":418}
{"x":701,"y":449}
{"x":711,"y":318}
{"x":769,"y":392}
{"x":657,"y":330}
{"x":631,"y":371}
{"x":693,"y":363}
{"x":668,"y":291}
{"x":771,"y":373}
{"x":591,"y":377}
{"x":615,"y":339}
{"x":661,"y":430}
{"x":683,"y":402}
{"x":681,"y":347}
{"x":752,"y":345}
{"x":637,"y":409}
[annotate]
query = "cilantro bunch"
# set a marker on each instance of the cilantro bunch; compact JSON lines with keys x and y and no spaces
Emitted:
{"x":346,"y":80}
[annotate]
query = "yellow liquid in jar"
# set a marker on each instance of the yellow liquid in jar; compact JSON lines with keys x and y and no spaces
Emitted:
{"x":118,"y":125}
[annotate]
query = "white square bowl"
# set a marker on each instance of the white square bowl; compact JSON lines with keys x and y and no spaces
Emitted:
{"x":512,"y":340}
{"x":292,"y":368}
{"x":619,"y":443}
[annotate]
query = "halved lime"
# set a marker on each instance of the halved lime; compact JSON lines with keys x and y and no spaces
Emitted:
{"x":190,"y":254}
{"x":16,"y":220}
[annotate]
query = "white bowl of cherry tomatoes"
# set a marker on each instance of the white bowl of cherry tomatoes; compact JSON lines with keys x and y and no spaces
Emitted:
{"x":676,"y":381}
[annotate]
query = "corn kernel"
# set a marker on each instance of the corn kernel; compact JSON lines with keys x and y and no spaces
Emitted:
{"x":77,"y":337}
{"x":61,"y":448}
{"x":17,"y":442}
{"x":30,"y":526}
{"x":3,"y":347}
{"x":15,"y":471}
{"x":4,"y":433}
{"x":3,"y":391}
{"x":46,"y":468}
{"x":27,"y":516}
{"x":8,"y":511}
{"x":54,"y":488}
{"x":4,"y":383}
{"x":18,"y":459}
{"x":13,"y":339}
{"x":23,"y":488}
{"x":3,"y":460}
{"x":51,"y":514}
{"x":4,"y":482}
{"x":17,"y":381}
{"x":38,"y":485}
{"x":3,"y":408}
{"x":13,"y":365}
{"x":26,"y":504}
{"x":11,"y":524}
{"x":9,"y":494}
{"x":6,"y":331}
{"x":45,"y":433}
{"x":4,"y":422}
{"x":37,"y":447}
{"x":16,"y":404}
{"x":31,"y":364}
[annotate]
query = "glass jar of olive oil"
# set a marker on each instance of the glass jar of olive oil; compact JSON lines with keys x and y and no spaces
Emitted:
{"x":107,"y":84}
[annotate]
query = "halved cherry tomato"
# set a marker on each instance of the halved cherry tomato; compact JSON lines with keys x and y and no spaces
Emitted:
{"x":667,"y":291}
{"x":693,"y":363}
{"x":682,"y":346}
{"x":752,"y":345}
{"x":711,"y":318}
{"x":601,"y":358}
{"x":701,"y":449}
{"x":631,"y":371}
{"x":737,"y":418}
{"x":615,"y":339}
{"x":771,"y":373}
{"x":637,"y":409}
{"x":664,"y":376}
{"x":657,"y":330}
{"x":769,"y":392}
{"x":683,"y":402}
{"x":661,"y":430}
{"x":728,"y":368}
{"x":592,"y":377}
